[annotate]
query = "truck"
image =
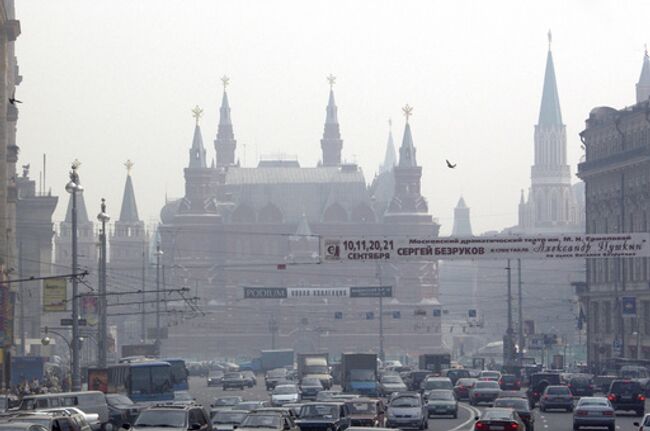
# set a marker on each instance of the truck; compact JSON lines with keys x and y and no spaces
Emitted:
{"x":27,"y":368}
{"x":359,"y":373}
{"x":435,"y":362}
{"x":315,"y":365}
{"x":279,"y":358}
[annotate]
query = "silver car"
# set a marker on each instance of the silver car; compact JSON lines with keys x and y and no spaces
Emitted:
{"x":484,"y":391}
{"x":594,"y":412}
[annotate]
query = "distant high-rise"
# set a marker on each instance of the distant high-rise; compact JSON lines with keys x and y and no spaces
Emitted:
{"x":462,"y":224}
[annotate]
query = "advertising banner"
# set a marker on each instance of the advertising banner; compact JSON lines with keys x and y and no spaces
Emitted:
{"x":318,"y":292}
{"x":54,"y":294}
{"x":569,"y":246}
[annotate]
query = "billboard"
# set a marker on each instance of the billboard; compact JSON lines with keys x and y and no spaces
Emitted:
{"x":568,"y":246}
{"x":318,"y":292}
{"x":54,"y":294}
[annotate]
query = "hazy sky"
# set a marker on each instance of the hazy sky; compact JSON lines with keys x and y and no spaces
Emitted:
{"x":107,"y":81}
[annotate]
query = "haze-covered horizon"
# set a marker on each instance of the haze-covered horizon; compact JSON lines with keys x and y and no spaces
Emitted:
{"x":111,"y":81}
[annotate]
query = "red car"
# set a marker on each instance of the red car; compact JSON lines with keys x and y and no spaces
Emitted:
{"x":462,"y":388}
{"x":499,"y":419}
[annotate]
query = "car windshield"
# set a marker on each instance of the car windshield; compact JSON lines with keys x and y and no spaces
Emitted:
{"x":233,"y":376}
{"x":405,"y":402}
{"x":216,"y":374}
{"x":513,"y":403}
{"x":115,"y":399}
{"x":228,"y":418}
{"x":161,"y":418}
{"x":437,"y":384}
{"x":465,"y":382}
{"x":227,"y":401}
{"x":362,"y":375}
{"x":557,"y":390}
{"x":261,"y":421}
{"x":497,"y":414}
{"x":323,"y":411}
{"x":285,"y":390}
{"x":625,"y":386}
{"x":362,"y":407}
{"x":392,"y":379}
{"x":509,"y":378}
{"x":593,"y":402}
{"x":311,"y":382}
{"x":441,"y":395}
{"x":490,"y":374}
{"x":486,"y":385}
{"x":277,"y":373}
{"x":183,"y":396}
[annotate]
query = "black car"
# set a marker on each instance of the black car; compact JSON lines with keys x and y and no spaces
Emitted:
{"x":215,"y":378}
{"x":414,"y":379}
{"x":274,"y":376}
{"x":538,"y":383}
{"x":509,"y":382}
{"x":234,"y":381}
{"x":121,"y":409}
{"x":162,"y":417}
{"x":456,"y":374}
{"x":310,"y":387}
{"x":581,"y":387}
{"x":627,"y":395}
{"x":333,"y":416}
{"x":520,"y":405}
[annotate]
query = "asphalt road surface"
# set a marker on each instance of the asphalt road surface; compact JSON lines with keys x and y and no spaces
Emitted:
{"x":547,"y":421}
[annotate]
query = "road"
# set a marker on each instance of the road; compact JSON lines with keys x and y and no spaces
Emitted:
{"x":547,"y":421}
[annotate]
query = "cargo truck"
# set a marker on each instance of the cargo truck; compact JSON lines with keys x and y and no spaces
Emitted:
{"x":315,"y":365}
{"x":280,"y":358}
{"x":435,"y":362}
{"x":359,"y":373}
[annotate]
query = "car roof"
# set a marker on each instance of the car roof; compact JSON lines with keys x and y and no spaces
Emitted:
{"x":244,"y":412}
{"x":329,"y":403}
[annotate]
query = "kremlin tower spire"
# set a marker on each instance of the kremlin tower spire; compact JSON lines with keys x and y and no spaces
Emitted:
{"x":331,"y":144}
{"x":390,"y":159}
{"x":197,"y":151}
{"x":643,"y":86}
{"x":225,"y":143}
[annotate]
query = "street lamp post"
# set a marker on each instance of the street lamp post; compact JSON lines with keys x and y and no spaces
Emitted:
{"x":102,"y":344}
{"x":158,"y":254}
{"x":73,"y":187}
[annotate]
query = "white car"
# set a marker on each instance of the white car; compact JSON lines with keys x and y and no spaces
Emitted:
{"x":645,"y":423}
{"x":283,"y":394}
{"x":91,"y":418}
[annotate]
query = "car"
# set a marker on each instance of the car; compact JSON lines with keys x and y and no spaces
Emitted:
{"x":407,"y":410}
{"x":441,"y":402}
{"x":22,"y":426}
{"x":509,"y":382}
{"x":225,"y":403}
{"x":334,"y":416}
{"x":274,"y":376}
{"x":121,"y":409}
{"x":85,"y":421}
{"x":413,"y":379}
{"x":160,"y":417}
{"x":390,"y":384}
{"x":499,"y":419}
{"x":538,"y":383}
{"x":489,"y":375}
{"x":431,"y":383}
{"x":283,"y":394}
{"x":581,"y":387}
{"x":52,"y":421}
{"x":627,"y":395}
{"x":456,"y":374}
{"x":369,"y":412}
{"x":183,"y":397}
{"x":644,"y":425}
{"x":251,"y":405}
{"x":520,"y":405}
{"x":215,"y":378}
{"x":267,"y":420}
{"x":594,"y":412}
{"x":227,"y":420}
{"x":310,"y":387}
{"x":462,"y":388}
{"x":250,"y":378}
{"x":233,"y":380}
{"x":284,"y":410}
{"x":484,"y":391}
{"x":556,"y":397}
{"x":512,"y":394}
{"x":345,"y":397}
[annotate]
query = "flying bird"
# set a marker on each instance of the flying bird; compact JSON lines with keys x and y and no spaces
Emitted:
{"x":13,"y":99}
{"x":449,"y":165}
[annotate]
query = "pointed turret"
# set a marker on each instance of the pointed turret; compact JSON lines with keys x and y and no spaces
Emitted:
{"x":390,"y":158}
{"x":549,"y":112}
{"x":303,"y":227}
{"x":462,"y":224}
{"x":225,"y":143}
{"x":197,"y":152}
{"x":407,"y":150}
{"x":643,"y":86}
{"x":129,"y":210}
{"x":331,"y":144}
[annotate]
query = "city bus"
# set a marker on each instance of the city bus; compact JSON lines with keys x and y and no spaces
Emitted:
{"x":141,"y":381}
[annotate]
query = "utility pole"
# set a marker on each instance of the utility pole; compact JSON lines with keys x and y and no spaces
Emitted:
{"x":102,"y":339}
{"x":21,"y":290}
{"x":143,"y":328}
{"x":158,"y":254}
{"x":508,"y":339}
{"x":73,"y":187}
{"x":273,"y":328}
{"x":520,"y":310}
{"x":381,"y":313}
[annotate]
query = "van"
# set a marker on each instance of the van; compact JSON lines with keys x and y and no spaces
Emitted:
{"x":88,"y":402}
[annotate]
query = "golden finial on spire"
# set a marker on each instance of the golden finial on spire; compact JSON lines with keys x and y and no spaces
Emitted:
{"x":408,"y":111}
{"x":196,"y":113}
{"x":129,"y":165}
{"x":76,"y":164}
{"x":225,"y":81}
{"x":332,"y":80}
{"x":550,"y":39}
